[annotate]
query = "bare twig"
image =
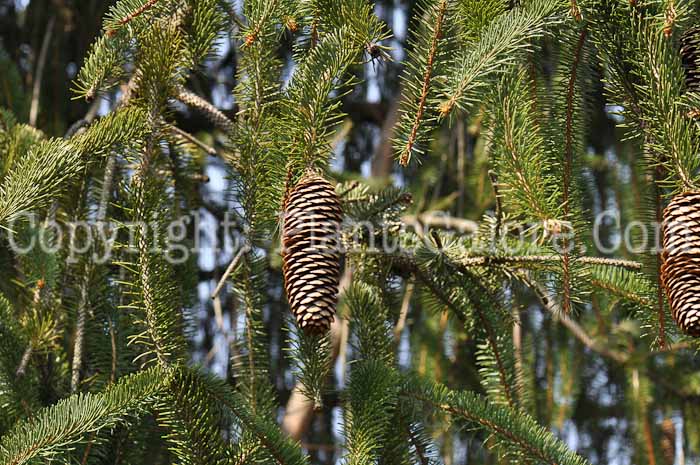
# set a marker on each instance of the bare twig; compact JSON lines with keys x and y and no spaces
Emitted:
{"x":579,"y":333}
{"x":80,"y":331}
{"x":24,"y":361}
{"x":27,"y":355}
{"x":41,"y":63}
{"x":232,"y":266}
{"x":190,"y":138}
{"x":113,"y":344}
{"x":398,"y":329}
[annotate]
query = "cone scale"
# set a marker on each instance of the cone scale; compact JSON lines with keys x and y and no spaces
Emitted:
{"x":680,"y":268}
{"x":311,"y":252}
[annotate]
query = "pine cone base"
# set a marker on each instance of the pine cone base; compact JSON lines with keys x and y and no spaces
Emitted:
{"x":680,"y":269}
{"x":311,"y":252}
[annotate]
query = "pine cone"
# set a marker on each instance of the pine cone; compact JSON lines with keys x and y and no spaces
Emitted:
{"x":311,"y":252}
{"x":690,"y":55}
{"x":680,"y":269}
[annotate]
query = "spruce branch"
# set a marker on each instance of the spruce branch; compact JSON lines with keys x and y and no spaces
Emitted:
{"x":193,"y":420}
{"x":372,"y":398}
{"x":106,"y":63}
{"x":628,"y":283}
{"x":59,"y":426}
{"x":50,"y":165}
{"x":649,"y":80}
{"x":260,"y":21}
{"x":516,"y":144}
{"x":406,"y":151}
{"x":130,"y":16}
{"x":500,"y":45}
{"x":280,"y":448}
{"x":517,"y":431}
{"x":311,"y":106}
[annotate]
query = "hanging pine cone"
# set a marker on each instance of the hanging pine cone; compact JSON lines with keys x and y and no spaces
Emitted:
{"x":311,"y":252}
{"x":680,"y":269}
{"x":690,"y":54}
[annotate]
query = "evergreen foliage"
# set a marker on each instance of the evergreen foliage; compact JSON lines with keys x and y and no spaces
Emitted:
{"x":454,"y":341}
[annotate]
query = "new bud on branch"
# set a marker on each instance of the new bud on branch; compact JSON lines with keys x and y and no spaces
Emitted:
{"x":311,"y":252}
{"x":680,"y":269}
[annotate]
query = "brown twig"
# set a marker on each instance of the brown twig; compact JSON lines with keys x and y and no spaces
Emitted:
{"x":437,"y":31}
{"x":86,"y":454}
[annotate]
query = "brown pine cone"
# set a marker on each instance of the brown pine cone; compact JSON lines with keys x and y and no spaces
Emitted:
{"x":680,"y":269}
{"x":311,"y":252}
{"x":690,"y":55}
